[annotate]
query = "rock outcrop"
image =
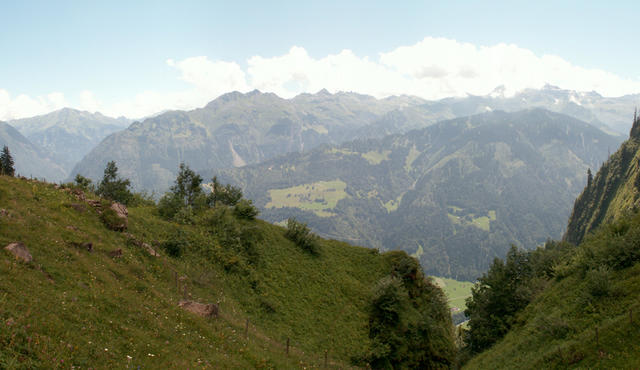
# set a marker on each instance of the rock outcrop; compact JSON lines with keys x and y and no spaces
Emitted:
{"x":201,"y":309}
{"x":19,"y":251}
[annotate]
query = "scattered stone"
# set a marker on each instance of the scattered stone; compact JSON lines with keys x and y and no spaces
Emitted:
{"x":88,"y":246}
{"x":116,"y":254}
{"x":95,"y":204}
{"x":150,"y":250}
{"x":131,"y":239}
{"x":204,"y":310}
{"x":78,"y":207}
{"x":121,"y":211}
{"x":72,"y":228}
{"x":19,"y":251}
{"x":79,"y":194}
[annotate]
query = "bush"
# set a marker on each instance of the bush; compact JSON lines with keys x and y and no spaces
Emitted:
{"x":142,"y":199}
{"x":244,"y":209}
{"x":185,"y":216}
{"x":598,"y":282}
{"x":223,"y":194}
{"x":300,"y":234}
{"x":169,"y":205}
{"x":110,"y":219}
{"x":176,"y":244}
{"x":83,"y":183}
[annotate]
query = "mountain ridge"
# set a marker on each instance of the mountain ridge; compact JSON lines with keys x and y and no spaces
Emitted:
{"x":454,"y":181}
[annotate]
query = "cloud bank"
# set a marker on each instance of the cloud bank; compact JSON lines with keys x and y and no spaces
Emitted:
{"x":433,"y":68}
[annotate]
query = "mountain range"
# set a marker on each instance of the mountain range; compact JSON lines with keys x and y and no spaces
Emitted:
{"x":238,"y":129}
{"x":30,"y":160}
{"x":67,"y":135}
{"x":234,"y":130}
{"x":455,"y":194}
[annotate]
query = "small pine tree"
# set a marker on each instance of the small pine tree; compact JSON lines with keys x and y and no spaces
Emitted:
{"x":223,"y":194}
{"x":589,"y":177}
{"x":6,"y":162}
{"x":113,"y":187}
{"x":187,"y":185}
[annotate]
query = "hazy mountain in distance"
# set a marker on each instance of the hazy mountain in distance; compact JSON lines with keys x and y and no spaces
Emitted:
{"x":29,"y":159}
{"x":610,"y":114}
{"x":234,"y":130}
{"x":68,"y":134}
{"x":238,"y":129}
{"x":455,"y":194}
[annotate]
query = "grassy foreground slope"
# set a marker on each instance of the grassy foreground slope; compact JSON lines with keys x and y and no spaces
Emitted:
{"x":581,"y":302}
{"x":589,"y":316}
{"x":71,"y":307}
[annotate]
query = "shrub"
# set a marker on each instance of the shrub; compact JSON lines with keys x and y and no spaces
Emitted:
{"x":176,"y":244}
{"x":223,"y":194}
{"x":169,"y":205}
{"x":245,"y":209}
{"x":110,"y":219}
{"x":185,"y":215}
{"x":300,"y":234}
{"x":142,"y":199}
{"x":598,"y":282}
{"x":83,"y":183}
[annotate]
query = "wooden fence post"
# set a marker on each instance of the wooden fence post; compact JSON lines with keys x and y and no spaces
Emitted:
{"x":287,"y":346}
{"x":597,"y":338}
{"x":175,"y":277}
{"x":246,"y":329}
{"x":325,"y":358}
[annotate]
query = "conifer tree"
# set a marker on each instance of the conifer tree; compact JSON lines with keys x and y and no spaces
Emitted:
{"x":187,"y":185}
{"x":6,"y":162}
{"x":113,"y":187}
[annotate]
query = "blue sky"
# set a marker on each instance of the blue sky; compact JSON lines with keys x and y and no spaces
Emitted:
{"x":105,"y":55}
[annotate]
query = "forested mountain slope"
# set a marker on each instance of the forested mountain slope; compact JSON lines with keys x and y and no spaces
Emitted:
{"x":566,"y":305}
{"x":455,"y":194}
{"x":612,"y":193}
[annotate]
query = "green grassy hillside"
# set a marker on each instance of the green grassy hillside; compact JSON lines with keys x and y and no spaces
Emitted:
{"x":71,"y":307}
{"x":586,"y":316}
{"x":612,"y":193}
{"x":568,"y":306}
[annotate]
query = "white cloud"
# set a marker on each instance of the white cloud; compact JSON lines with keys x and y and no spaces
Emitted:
{"x":26,"y":106}
{"x":89,"y":102}
{"x":433,"y":68}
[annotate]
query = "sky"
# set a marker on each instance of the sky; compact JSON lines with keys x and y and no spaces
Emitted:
{"x":136,"y":58}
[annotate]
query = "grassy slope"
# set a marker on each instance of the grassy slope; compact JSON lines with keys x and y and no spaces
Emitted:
{"x":71,"y":307}
{"x":539,"y":342}
{"x":558,"y":329}
{"x":456,"y":291}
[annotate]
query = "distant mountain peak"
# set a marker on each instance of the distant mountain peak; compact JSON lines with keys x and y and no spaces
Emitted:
{"x":324,"y":92}
{"x":548,"y":86}
{"x":498,"y":92}
{"x":254,"y":92}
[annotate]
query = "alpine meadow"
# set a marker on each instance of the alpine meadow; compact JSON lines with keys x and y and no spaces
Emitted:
{"x":306,"y":185}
